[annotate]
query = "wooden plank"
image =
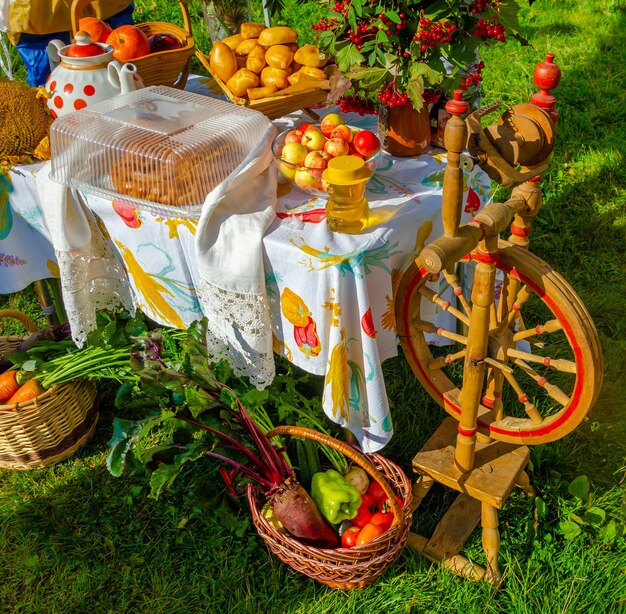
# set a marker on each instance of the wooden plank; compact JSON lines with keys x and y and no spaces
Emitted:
{"x":454,"y":528}
{"x":497,"y":466}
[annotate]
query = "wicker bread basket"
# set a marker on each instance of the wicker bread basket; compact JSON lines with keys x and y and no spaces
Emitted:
{"x":170,"y":67}
{"x":50,"y":427}
{"x":296,"y":97}
{"x":343,"y":568}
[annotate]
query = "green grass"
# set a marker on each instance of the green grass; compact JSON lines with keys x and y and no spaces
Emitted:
{"x":74,"y":539}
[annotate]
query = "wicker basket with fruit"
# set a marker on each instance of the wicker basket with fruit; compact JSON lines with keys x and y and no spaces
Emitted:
{"x":161,"y":51}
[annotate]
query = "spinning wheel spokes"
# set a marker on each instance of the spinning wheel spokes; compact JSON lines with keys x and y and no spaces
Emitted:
{"x":543,"y":363}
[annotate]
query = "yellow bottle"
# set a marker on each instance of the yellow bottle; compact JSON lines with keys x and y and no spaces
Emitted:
{"x":347,"y":209}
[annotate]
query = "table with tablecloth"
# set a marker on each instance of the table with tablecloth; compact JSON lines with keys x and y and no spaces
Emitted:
{"x":330,"y":295}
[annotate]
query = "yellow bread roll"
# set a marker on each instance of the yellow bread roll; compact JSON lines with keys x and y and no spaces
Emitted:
{"x":251,"y":30}
{"x":255,"y":60}
{"x":274,"y":76}
{"x":254,"y":93}
{"x":278,"y":35}
{"x":310,"y":55}
{"x":313,"y":72}
{"x":246,"y":46}
{"x":232,"y":41}
{"x":239,"y":83}
{"x":278,"y":56}
{"x":222,"y":61}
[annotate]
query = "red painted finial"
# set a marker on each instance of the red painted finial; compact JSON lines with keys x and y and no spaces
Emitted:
{"x":457,"y":106}
{"x":547,"y":76}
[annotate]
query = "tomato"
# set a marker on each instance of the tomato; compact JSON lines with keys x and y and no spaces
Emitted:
{"x":382,"y":519}
{"x":364,"y":513}
{"x":349,"y":537}
{"x":368,"y":533}
{"x":375,"y":490}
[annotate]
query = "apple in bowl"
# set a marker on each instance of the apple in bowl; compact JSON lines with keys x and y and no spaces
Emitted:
{"x":302,"y":153}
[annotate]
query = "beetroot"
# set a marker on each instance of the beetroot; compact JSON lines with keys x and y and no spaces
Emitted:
{"x":300,"y":516}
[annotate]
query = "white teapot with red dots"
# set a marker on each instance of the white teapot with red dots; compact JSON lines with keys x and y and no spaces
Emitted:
{"x":85,"y":73}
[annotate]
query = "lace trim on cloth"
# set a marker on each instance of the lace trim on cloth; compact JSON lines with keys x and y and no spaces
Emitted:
{"x":92,"y":278}
{"x":239,"y":331}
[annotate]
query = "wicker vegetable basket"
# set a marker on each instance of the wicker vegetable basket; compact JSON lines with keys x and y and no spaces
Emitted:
{"x":170,"y":67}
{"x":296,"y":97}
{"x":343,"y":568}
{"x":50,"y":427}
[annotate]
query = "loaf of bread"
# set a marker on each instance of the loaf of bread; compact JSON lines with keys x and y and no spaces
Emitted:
{"x":162,"y":173}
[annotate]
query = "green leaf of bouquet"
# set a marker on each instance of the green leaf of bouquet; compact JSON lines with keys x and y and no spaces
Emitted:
{"x":437,"y":9}
{"x":569,"y":530}
{"x":358,"y":7}
{"x":347,"y":55}
{"x":393,"y":16}
{"x":381,"y":37}
{"x":369,"y":78}
{"x":579,"y":487}
{"x":352,"y":19}
{"x":508,"y":12}
{"x":595,"y":516}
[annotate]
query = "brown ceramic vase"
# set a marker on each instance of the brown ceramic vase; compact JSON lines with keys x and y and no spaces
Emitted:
{"x":403,"y":130}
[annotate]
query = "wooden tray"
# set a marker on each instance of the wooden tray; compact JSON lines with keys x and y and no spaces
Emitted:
{"x":301,"y":96}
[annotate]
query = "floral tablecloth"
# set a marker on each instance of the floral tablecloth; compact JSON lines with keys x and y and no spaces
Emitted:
{"x":330,"y":295}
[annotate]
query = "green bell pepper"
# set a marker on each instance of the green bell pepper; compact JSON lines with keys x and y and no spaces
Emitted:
{"x":336,"y":499}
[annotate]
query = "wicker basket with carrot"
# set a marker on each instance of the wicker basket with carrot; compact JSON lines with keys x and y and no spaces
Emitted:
{"x":40,"y":427}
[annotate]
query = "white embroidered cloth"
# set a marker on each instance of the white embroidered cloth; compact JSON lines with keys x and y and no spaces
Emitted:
{"x":92,"y":277}
{"x":229,"y":250}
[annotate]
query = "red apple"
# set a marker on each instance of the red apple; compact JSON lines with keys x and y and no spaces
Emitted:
{"x":305,"y":127}
{"x":366,"y":143}
{"x":294,"y":136}
{"x":342,"y":132}
{"x":163,"y":42}
{"x":308,"y":179}
{"x":313,"y":139}
{"x":336,"y":147}
{"x":330,"y":122}
{"x":128,"y":43}
{"x":317,"y":160}
{"x":294,"y":153}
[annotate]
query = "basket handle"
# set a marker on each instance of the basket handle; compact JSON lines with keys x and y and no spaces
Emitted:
{"x":76,"y":10}
{"x":352,"y":454}
{"x":78,"y":6}
{"x":28,"y":324}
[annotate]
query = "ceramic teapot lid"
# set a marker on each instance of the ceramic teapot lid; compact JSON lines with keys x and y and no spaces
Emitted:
{"x":83,"y":47}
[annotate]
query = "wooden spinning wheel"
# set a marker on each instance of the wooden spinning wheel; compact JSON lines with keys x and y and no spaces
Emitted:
{"x":526,"y":364}
{"x":534,"y":392}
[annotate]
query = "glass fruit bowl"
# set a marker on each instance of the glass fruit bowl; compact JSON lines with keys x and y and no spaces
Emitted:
{"x":302,"y":155}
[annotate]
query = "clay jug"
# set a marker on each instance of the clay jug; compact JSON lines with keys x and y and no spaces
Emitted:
{"x":403,"y":130}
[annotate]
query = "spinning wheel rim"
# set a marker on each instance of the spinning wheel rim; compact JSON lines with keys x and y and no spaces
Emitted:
{"x":557,"y":425}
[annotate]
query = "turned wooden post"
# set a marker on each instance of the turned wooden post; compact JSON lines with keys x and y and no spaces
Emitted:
{"x":530,"y":191}
{"x":547,"y":76}
{"x":455,"y":139}
{"x":491,"y":542}
{"x":477,"y":342}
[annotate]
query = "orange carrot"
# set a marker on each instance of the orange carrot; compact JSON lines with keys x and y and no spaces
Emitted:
{"x":8,"y":385}
{"x":26,"y":392}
